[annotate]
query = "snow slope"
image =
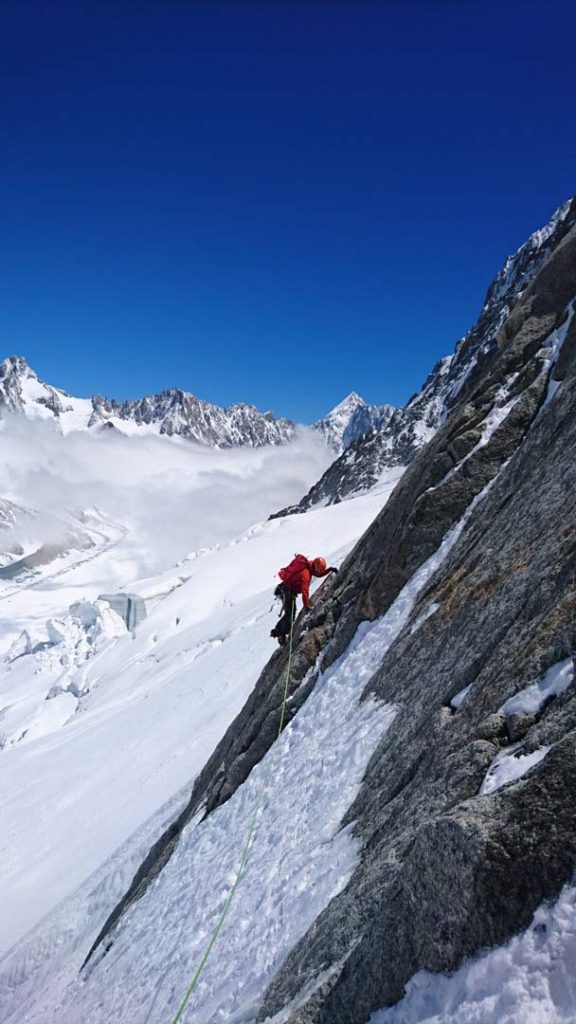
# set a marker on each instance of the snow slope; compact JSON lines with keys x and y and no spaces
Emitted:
{"x":292,"y":873}
{"x":71,"y":689}
{"x":155,"y":703}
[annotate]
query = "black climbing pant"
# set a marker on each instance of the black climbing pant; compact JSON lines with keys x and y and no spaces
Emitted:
{"x":284,"y":624}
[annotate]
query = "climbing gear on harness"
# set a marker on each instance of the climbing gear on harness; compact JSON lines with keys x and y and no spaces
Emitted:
{"x":246,"y":848}
{"x":284,"y":624}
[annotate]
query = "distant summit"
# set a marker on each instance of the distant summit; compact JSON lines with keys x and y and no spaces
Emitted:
{"x":178,"y":413}
{"x":350,"y":420}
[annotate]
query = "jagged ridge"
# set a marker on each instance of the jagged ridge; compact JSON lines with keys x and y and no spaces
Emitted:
{"x":410,"y":428}
{"x":172,"y":412}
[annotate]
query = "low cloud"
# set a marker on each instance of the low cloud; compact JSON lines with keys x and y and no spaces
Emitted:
{"x":170,"y":495}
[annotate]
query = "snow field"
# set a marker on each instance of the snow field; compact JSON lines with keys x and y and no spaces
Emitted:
{"x":299,"y":861}
{"x":156,"y":704}
{"x":96,"y":768}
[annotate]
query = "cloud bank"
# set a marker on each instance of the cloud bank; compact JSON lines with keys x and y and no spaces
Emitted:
{"x":170,"y":495}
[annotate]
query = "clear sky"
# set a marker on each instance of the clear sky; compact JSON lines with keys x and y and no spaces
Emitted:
{"x":275,"y":202}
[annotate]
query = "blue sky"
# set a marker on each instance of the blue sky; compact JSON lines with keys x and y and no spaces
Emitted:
{"x":270,"y":202}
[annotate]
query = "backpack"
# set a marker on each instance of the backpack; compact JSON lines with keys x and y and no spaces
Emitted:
{"x":290,"y":572}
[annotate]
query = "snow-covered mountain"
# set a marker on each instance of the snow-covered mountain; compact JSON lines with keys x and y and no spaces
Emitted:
{"x":178,"y":413}
{"x":408,"y":811}
{"x":408,"y":429}
{"x":351,"y":419}
{"x":23,"y":393}
{"x":172,"y":412}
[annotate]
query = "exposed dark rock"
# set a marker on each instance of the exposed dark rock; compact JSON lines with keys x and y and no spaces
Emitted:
{"x":518,"y":725}
{"x":493,"y":727}
{"x":446,"y":872}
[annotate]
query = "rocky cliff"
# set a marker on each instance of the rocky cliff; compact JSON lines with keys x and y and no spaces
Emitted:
{"x":469,"y":575}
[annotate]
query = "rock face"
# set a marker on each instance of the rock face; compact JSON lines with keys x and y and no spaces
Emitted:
{"x":397,"y":441}
{"x":352,"y":419}
{"x":21,"y":388}
{"x":445,"y":871}
{"x":172,"y":412}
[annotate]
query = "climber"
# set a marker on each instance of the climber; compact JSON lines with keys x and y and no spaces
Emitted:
{"x":296,"y":579}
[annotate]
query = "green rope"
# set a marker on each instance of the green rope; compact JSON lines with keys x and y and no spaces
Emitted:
{"x":245,"y":851}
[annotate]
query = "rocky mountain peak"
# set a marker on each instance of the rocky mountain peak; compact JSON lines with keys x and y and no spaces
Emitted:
{"x":13,"y":371}
{"x":22,"y":391}
{"x":349,"y":403}
{"x":351,"y":419}
{"x":14,"y":364}
{"x":406,"y":431}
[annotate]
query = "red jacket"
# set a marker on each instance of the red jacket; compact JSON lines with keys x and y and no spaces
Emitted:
{"x":297,"y":576}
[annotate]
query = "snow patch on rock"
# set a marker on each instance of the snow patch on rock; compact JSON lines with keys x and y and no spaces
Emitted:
{"x":508,"y":766}
{"x":532,"y":698}
{"x":530,"y":980}
{"x":460,"y":697}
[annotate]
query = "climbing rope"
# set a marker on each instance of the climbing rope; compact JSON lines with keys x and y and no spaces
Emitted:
{"x":246,"y":848}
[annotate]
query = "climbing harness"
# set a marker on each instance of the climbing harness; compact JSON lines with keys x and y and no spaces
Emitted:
{"x":246,"y":848}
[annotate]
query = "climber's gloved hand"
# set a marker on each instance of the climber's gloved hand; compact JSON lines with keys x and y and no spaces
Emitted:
{"x":332,"y":568}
